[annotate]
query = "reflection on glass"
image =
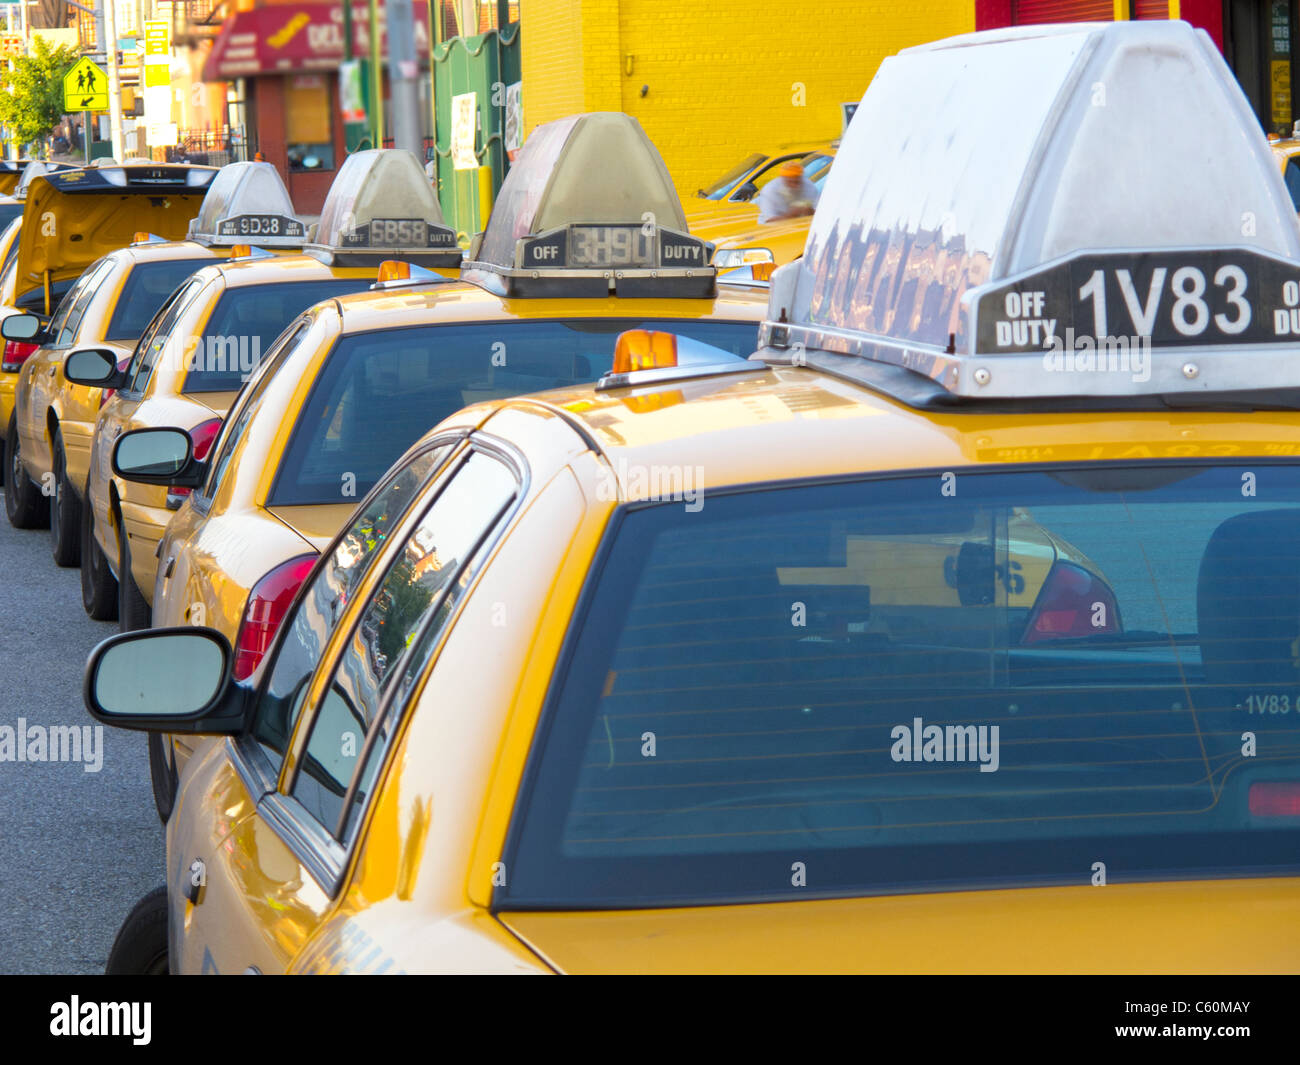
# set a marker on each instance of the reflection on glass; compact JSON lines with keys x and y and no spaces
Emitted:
{"x":325,"y":601}
{"x":421,"y":579}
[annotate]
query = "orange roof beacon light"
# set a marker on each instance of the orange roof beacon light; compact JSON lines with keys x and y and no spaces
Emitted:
{"x":647,"y":356}
{"x":394,"y":273}
{"x":644,"y":349}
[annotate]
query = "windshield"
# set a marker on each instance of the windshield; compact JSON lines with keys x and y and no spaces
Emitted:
{"x":244,"y":324}
{"x":8,"y":212}
{"x":147,"y":286}
{"x":893,"y":688}
{"x":731,"y":178}
{"x":380,"y":392}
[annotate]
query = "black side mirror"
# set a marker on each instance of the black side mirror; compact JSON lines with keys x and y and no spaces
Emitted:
{"x":158,"y":456}
{"x":745,"y":193}
{"x":25,"y":328}
{"x":166,"y":680}
{"x":96,"y":367}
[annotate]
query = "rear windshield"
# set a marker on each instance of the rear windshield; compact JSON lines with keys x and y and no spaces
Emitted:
{"x":246,"y":322}
{"x":8,"y":212}
{"x":147,"y":286}
{"x":380,"y":392}
{"x":997,"y":680}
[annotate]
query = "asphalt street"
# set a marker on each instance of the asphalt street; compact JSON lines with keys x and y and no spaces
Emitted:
{"x":77,"y":848}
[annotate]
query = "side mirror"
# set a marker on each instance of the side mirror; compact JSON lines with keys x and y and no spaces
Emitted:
{"x":157,"y":456}
{"x":96,"y":367}
{"x":27,"y":328}
{"x":166,"y":680}
{"x":745,"y":193}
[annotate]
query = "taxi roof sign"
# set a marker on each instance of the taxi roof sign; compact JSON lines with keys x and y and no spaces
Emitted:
{"x":247,"y":201}
{"x":587,"y":209}
{"x":381,"y":206}
{"x":1037,"y":218}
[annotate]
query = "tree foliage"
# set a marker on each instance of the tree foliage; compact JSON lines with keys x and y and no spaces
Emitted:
{"x":35,"y":105}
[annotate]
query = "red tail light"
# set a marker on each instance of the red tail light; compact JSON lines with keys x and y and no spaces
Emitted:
{"x":201,"y":439}
{"x":1274,"y":798}
{"x":1072,"y":602}
{"x":267,"y":604}
{"x":16,"y":353}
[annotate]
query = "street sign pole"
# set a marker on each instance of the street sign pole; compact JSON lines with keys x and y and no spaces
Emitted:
{"x":403,"y":72}
{"x":376,"y":80}
{"x":114,"y":82}
{"x":85,"y":134}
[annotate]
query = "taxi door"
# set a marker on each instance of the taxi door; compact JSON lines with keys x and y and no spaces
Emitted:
{"x":117,"y":414}
{"x":257,"y":862}
{"x":42,"y":373}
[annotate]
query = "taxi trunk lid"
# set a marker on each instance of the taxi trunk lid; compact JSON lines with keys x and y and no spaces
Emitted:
{"x":1191,"y":926}
{"x":74,"y":217}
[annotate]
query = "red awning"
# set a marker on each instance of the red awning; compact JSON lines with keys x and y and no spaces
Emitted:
{"x":286,"y":38}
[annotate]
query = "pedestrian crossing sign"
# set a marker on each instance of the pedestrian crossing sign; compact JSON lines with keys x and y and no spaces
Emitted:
{"x":85,"y":88}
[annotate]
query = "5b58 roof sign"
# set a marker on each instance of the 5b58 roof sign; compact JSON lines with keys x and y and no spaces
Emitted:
{"x":588,"y":209}
{"x":1035,"y":238}
{"x":381,"y":206}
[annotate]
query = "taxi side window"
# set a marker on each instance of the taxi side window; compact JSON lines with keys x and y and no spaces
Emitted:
{"x":396,"y":634}
{"x":155,"y":338}
{"x":246,"y":407}
{"x":328,"y":596}
{"x":68,"y":315}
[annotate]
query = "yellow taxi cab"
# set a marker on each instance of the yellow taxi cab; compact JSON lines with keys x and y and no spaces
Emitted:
{"x":80,"y":228}
{"x":1286,"y":151}
{"x":33,"y":300}
{"x":741,"y":239}
{"x":623,"y":678}
{"x":741,"y":183}
{"x":209,"y":335}
{"x":739,"y":211}
{"x":567,"y":263}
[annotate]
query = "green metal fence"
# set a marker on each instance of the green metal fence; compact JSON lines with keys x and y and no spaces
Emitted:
{"x":484,"y":65}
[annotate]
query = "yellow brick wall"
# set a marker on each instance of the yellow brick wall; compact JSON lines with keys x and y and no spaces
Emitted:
{"x":723,"y":78}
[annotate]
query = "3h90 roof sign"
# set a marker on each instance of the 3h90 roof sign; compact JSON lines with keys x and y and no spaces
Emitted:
{"x":588,"y":209}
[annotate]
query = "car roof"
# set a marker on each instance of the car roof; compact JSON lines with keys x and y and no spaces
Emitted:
{"x":462,"y":301}
{"x":166,"y":251}
{"x":797,"y":423}
{"x":278,"y":269}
